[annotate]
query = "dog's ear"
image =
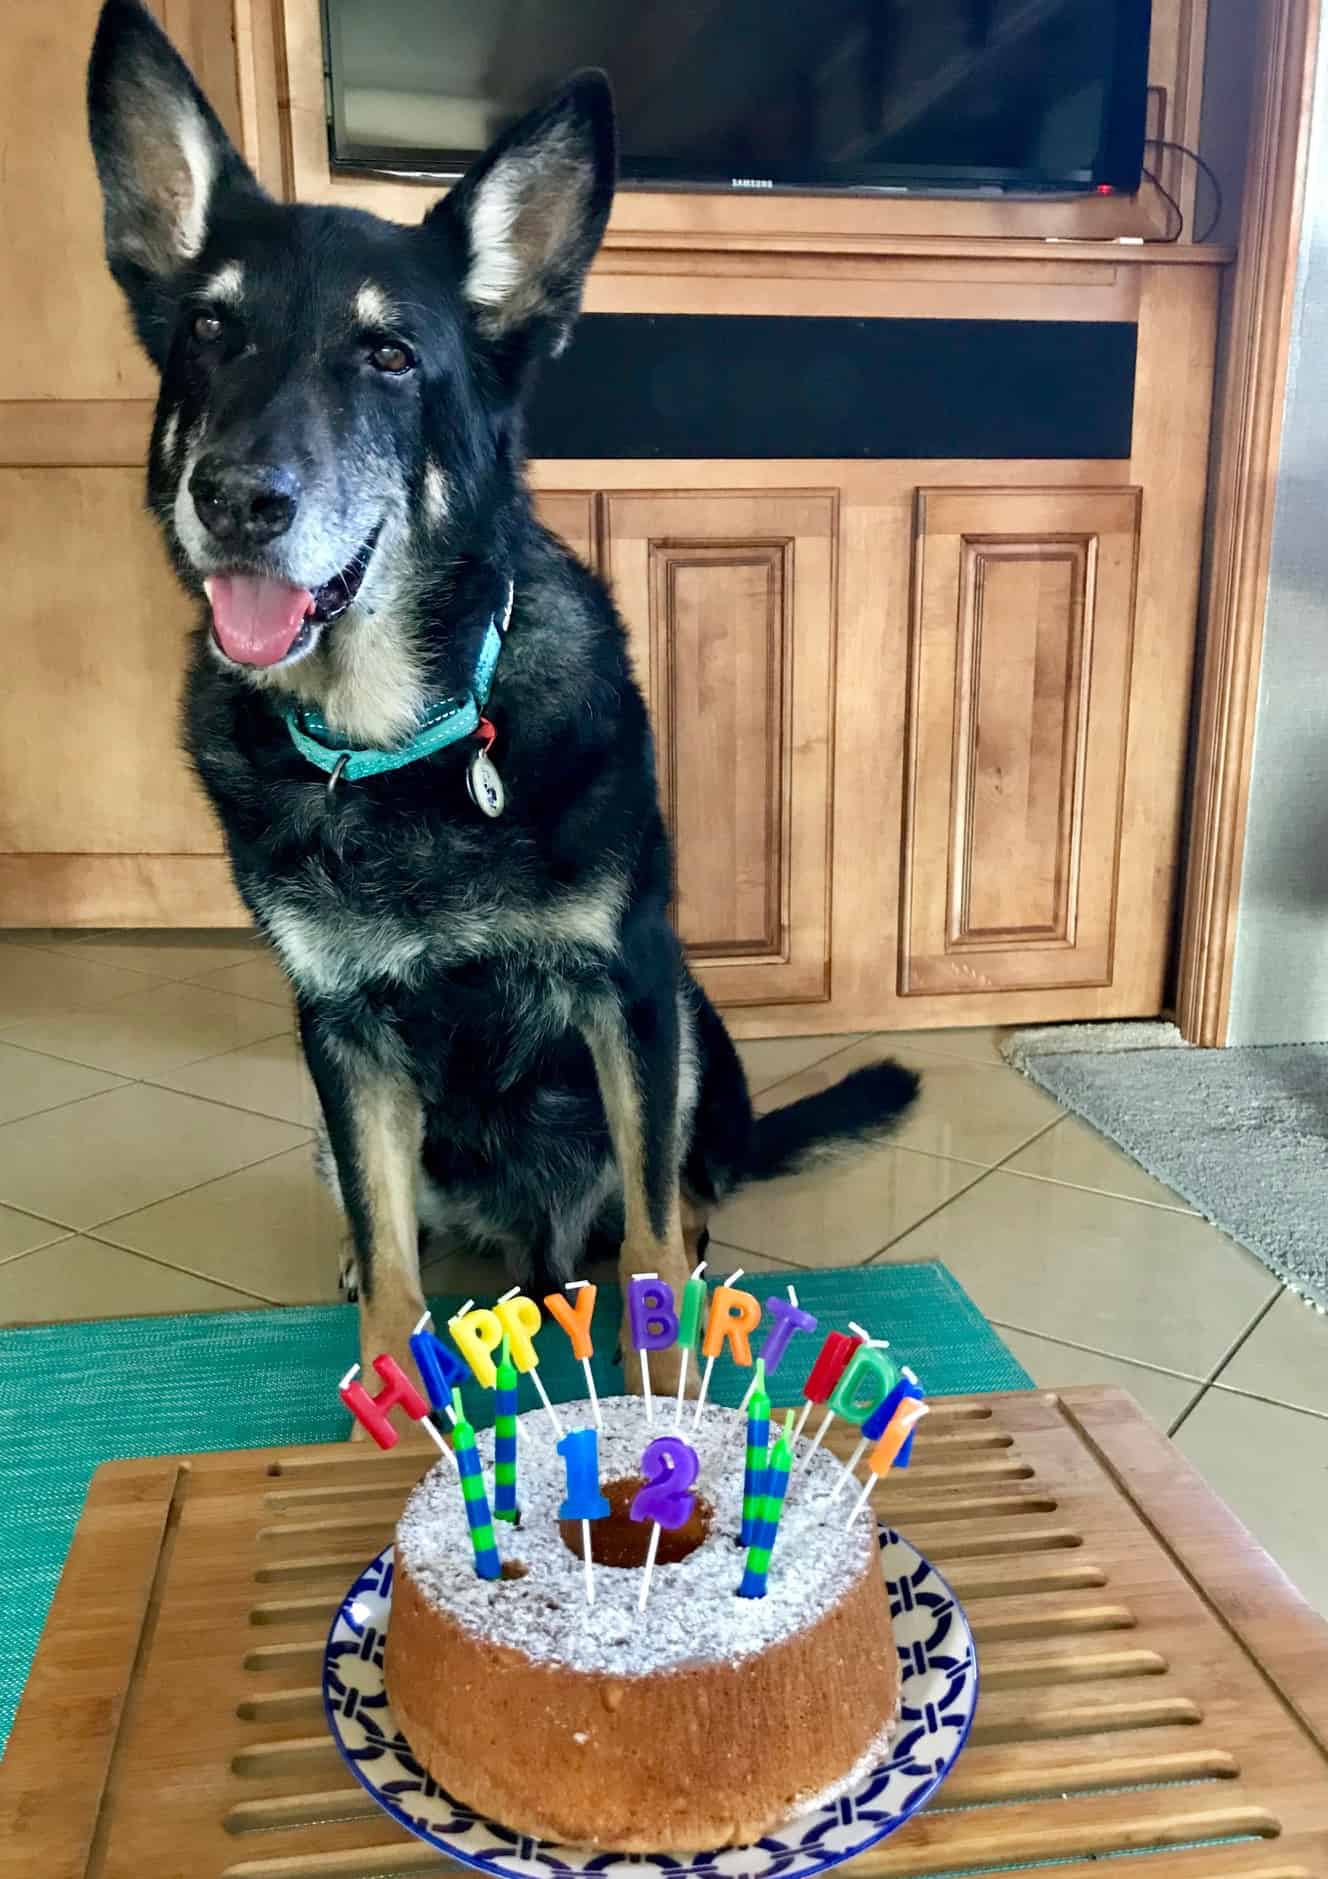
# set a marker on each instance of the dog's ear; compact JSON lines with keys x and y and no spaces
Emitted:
{"x":163,"y":160}
{"x":526,"y":218}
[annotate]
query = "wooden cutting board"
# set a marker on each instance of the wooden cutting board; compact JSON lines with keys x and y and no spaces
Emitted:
{"x":1150,"y":1680}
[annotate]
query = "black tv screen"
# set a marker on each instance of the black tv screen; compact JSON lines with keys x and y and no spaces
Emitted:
{"x":944,"y":96}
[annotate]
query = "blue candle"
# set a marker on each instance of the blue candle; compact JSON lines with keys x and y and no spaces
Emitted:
{"x":579,"y":1449}
{"x":758,"y":1454}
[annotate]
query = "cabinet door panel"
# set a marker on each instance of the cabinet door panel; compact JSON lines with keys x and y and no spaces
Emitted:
{"x":729,"y":600}
{"x":95,"y":648}
{"x":1022,"y":628}
{"x":570,"y":513}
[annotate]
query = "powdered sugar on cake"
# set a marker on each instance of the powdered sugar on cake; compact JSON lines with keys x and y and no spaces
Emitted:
{"x":693,"y":1615}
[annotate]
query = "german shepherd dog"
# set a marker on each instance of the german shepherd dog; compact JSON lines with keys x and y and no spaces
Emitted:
{"x":508,"y":1048}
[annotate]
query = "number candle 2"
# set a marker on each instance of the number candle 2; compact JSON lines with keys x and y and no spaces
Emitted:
{"x":670,"y":1467}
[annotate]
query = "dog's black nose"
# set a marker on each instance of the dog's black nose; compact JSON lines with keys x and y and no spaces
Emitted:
{"x":244,"y":504}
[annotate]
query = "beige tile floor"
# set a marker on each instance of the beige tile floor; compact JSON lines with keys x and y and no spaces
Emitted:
{"x":154,"y":1157}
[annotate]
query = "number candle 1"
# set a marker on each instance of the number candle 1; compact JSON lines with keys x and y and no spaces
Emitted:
{"x":504,"y":1439}
{"x":482,"y":1540}
{"x":670,"y":1467}
{"x":654,"y":1324}
{"x":733,"y":1315}
{"x":579,"y":1449}
{"x":691,"y":1317}
{"x":907,"y":1389}
{"x":825,"y":1373}
{"x":886,"y":1451}
{"x":373,"y":1413}
{"x":576,"y":1320}
{"x":756,"y":1572}
{"x":758,"y":1455}
{"x":788,"y":1318}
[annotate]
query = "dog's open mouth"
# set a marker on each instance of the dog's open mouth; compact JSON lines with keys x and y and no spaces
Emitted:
{"x":259,"y":620}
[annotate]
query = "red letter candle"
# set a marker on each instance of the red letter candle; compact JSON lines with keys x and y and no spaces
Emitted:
{"x":373,"y":1413}
{"x":829,"y":1367}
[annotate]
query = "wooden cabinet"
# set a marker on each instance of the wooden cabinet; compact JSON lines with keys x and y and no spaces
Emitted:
{"x":729,"y":599}
{"x":1023,"y":619}
{"x":921,"y":724}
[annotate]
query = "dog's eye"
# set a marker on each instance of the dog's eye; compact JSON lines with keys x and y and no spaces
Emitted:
{"x":206,"y":328}
{"x":392,"y":358}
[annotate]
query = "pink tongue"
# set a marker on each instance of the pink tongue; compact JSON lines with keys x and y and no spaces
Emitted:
{"x":255,"y":618}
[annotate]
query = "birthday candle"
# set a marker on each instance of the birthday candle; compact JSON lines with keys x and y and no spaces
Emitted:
{"x":733,"y":1315}
{"x":442,"y":1370}
{"x":691,"y":1316}
{"x":869,"y":1364}
{"x":576,"y":1321}
{"x":482,"y":1540}
{"x":825,"y":1373}
{"x":907,"y":1388}
{"x":654,"y":1324}
{"x":373,"y":1413}
{"x":520,"y":1317}
{"x":758,"y":1454}
{"x":789,"y":1317}
{"x":579,"y":1449}
{"x":756,"y":1572}
{"x":886,"y":1451}
{"x":504,"y":1440}
{"x":670,"y":1467}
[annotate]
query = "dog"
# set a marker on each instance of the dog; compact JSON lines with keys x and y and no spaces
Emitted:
{"x":413,"y":709}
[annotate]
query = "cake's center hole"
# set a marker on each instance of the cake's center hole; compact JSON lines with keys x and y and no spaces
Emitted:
{"x":618,"y":1540}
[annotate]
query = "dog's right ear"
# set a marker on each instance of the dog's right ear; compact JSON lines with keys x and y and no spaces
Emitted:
{"x":163,"y":160}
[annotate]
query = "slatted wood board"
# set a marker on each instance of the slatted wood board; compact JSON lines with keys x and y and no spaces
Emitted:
{"x":1151,"y":1683}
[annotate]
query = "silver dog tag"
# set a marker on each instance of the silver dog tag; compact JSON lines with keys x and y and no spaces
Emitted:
{"x":485,"y":785}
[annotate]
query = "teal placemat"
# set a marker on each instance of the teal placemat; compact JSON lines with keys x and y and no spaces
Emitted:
{"x":75,"y":1395}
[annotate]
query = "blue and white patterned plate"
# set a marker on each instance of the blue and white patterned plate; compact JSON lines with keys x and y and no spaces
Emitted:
{"x":939,"y":1673}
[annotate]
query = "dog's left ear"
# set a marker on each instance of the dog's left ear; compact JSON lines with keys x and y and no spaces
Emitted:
{"x":526,"y":218}
{"x":163,"y":160}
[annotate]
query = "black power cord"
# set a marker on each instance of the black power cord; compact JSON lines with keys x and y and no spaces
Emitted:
{"x":1167,"y":143}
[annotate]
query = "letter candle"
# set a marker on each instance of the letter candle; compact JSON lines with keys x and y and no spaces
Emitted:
{"x":907,"y":1389}
{"x":788,"y":1318}
{"x":882,"y":1457}
{"x":373,"y":1413}
{"x":670,"y":1466}
{"x":576,"y":1320}
{"x":504,"y":1439}
{"x":691,"y":1315}
{"x":520,"y":1317}
{"x":653,"y":1322}
{"x":733,"y":1315}
{"x":825,"y":1373}
{"x":868,"y":1364}
{"x":756,"y":1572}
{"x":478,"y":1519}
{"x":758,"y":1454}
{"x":442,"y":1370}
{"x":579,"y":1449}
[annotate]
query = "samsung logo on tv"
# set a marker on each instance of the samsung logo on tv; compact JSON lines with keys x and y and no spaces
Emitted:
{"x":750,"y":182}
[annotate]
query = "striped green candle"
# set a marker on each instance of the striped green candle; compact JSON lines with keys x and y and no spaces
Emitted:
{"x":758,"y":1455}
{"x":487,"y":1563}
{"x":756,"y":1572}
{"x":504,"y":1439}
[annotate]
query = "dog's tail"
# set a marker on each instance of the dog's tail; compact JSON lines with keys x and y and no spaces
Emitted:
{"x":863,"y":1108}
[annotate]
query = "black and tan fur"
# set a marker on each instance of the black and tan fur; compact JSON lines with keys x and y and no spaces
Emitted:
{"x":508,"y":1047}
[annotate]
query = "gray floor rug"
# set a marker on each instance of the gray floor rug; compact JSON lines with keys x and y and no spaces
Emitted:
{"x":1242,"y":1135}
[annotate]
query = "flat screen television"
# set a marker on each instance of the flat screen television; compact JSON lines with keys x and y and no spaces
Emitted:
{"x":956,"y":97}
